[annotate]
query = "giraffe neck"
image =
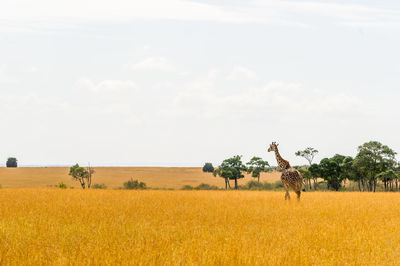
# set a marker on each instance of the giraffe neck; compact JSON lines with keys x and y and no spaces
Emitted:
{"x":283,"y":164}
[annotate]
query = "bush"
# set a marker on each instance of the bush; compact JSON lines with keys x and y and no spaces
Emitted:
{"x":208,"y":168}
{"x":62,"y":185}
{"x":134,"y":184}
{"x":12,"y":162}
{"x":99,"y":186}
{"x":206,"y":187}
{"x":0,"y":186}
{"x":254,"y":185}
{"x":278,"y":184}
{"x":202,"y":186}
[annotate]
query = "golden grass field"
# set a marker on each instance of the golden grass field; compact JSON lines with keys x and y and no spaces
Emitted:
{"x":113,"y":177}
{"x":107,"y":227}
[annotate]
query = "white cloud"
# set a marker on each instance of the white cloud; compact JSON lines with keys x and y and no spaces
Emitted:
{"x":153,"y":63}
{"x":105,"y":85}
{"x":209,"y":98}
{"x":240,"y":72}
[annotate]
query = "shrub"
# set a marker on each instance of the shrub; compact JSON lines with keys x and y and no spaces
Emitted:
{"x":0,"y":186}
{"x":278,"y":184}
{"x":254,"y":185}
{"x":206,"y":187}
{"x":202,"y":186}
{"x":62,"y":185}
{"x":134,"y":184}
{"x":208,"y":168}
{"x":99,"y":186}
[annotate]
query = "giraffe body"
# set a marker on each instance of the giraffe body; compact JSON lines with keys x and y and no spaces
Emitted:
{"x":291,"y":178}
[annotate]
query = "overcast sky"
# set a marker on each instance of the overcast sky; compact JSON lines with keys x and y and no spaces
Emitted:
{"x":179,"y":83}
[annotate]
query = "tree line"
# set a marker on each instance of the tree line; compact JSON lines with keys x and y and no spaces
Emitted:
{"x":374,"y":165}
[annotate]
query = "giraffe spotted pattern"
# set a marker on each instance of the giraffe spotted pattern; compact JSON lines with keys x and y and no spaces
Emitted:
{"x":291,"y":178}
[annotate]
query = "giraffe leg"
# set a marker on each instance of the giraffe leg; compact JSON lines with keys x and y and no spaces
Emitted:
{"x":298,"y":194}
{"x":287,"y":195}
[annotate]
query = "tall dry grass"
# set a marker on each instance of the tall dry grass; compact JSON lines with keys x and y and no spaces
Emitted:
{"x":59,"y":227}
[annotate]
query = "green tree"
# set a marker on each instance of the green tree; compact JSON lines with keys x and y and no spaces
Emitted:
{"x":81,"y":174}
{"x":208,"y":168}
{"x":308,"y":154}
{"x":256,"y":166}
{"x":12,"y":162}
{"x":330,"y":172}
{"x":387,"y":178}
{"x":346,"y":169}
{"x":372,"y":159}
{"x":231,"y":169}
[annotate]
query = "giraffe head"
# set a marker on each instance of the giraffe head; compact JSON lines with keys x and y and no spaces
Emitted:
{"x":273,"y":147}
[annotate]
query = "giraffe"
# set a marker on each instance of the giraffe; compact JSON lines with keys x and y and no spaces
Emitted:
{"x":291,"y":178}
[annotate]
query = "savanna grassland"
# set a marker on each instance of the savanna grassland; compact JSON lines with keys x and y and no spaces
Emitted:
{"x":59,"y":227}
{"x":114,"y":177}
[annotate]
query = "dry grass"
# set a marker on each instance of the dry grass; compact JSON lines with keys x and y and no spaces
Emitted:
{"x":159,"y":177}
{"x":59,"y":227}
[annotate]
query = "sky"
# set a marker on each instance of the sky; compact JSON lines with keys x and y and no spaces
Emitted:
{"x":180,"y":83}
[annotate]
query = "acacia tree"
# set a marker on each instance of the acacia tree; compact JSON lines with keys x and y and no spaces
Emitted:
{"x":81,"y":174}
{"x":231,"y":169}
{"x":308,"y":154}
{"x":256,"y":166}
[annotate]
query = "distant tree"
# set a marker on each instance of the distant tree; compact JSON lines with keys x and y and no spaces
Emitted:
{"x":387,"y":178}
{"x":308,"y":154}
{"x":256,"y":166}
{"x":330,"y":172}
{"x":12,"y":162}
{"x":231,"y":169}
{"x":81,"y":174}
{"x":307,"y":176}
{"x":208,"y":168}
{"x":346,"y":169}
{"x":315,"y":173}
{"x":372,"y":159}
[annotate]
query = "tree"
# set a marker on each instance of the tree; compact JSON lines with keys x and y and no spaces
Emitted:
{"x":12,"y":162}
{"x":81,"y":174}
{"x":346,"y":168}
{"x":256,"y":166}
{"x":307,"y":176}
{"x":372,"y":159}
{"x":231,"y":169}
{"x":208,"y":168}
{"x":308,"y":154}
{"x":330,"y":172}
{"x":387,"y":178}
